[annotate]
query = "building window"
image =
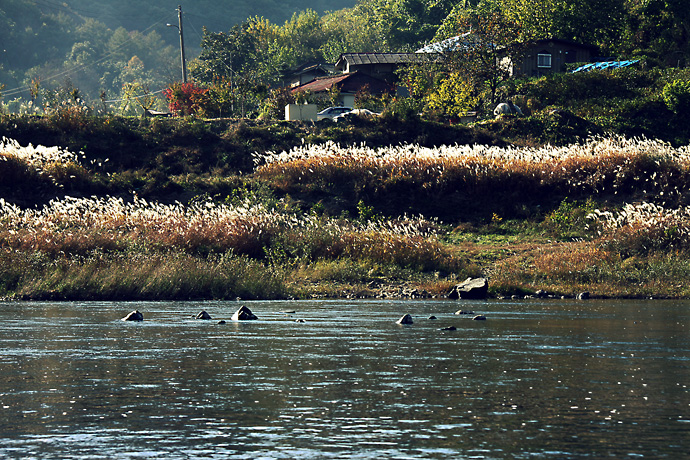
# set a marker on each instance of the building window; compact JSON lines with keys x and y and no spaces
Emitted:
{"x":544,"y":60}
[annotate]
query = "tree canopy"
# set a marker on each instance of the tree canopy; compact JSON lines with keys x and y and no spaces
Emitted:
{"x":105,"y":50}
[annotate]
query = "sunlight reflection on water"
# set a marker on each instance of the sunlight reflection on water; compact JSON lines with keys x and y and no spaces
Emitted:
{"x":556,"y":379}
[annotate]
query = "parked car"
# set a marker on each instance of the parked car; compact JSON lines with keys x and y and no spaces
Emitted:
{"x":362,"y":113}
{"x":332,"y":112}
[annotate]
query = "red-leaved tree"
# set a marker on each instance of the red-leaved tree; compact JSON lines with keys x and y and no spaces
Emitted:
{"x":185,"y":98}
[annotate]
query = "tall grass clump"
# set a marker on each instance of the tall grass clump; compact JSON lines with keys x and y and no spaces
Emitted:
{"x":171,"y":248}
{"x":27,"y":170}
{"x":137,"y":276}
{"x":495,"y":176}
{"x":644,"y":228}
{"x":639,"y":250}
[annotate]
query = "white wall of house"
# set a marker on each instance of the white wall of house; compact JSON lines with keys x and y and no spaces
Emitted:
{"x":294,"y":112}
{"x":348,"y":99}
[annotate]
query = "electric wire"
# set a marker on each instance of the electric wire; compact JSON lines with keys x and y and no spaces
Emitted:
{"x":134,"y":97}
{"x":21,"y":89}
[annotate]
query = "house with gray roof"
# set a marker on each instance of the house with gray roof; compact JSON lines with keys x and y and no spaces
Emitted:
{"x":380,"y":65}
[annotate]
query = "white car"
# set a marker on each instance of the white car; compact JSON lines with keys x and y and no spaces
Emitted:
{"x":362,"y":113}
{"x":332,"y":112}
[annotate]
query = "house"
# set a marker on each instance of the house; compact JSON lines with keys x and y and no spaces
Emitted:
{"x":380,"y":65}
{"x":547,"y":56}
{"x":347,"y":85}
{"x":306,"y":73}
{"x":535,"y":59}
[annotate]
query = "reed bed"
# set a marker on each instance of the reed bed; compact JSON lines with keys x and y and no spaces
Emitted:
{"x":110,"y":247}
{"x":137,"y":276}
{"x":599,"y":165}
{"x":81,"y":225}
{"x":643,"y":228}
{"x":35,"y":165}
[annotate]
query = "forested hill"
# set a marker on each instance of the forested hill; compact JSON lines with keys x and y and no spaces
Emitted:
{"x":216,"y":15}
{"x":137,"y":15}
{"x":101,"y":45}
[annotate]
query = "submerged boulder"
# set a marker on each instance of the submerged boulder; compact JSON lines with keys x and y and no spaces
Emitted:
{"x":136,"y":315}
{"x":471,"y":288}
{"x":203,"y":315}
{"x":407,"y":319}
{"x":479,"y":318}
{"x":243,"y":314}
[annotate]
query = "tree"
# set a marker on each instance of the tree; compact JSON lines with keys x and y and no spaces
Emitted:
{"x":184,"y":98}
{"x":484,"y":53}
{"x":659,"y":29}
{"x":453,"y":96}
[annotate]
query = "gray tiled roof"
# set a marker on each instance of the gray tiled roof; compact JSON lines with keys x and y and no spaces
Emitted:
{"x":383,"y":58}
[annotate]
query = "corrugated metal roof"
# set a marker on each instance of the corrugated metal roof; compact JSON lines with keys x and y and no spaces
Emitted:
{"x":449,"y":44}
{"x":383,"y":58}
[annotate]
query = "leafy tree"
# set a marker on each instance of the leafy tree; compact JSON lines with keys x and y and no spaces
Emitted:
{"x":453,"y":97}
{"x":274,"y":104}
{"x":226,"y":54}
{"x":482,"y":57}
{"x":659,"y":29}
{"x":420,"y":80}
{"x":185,"y":98}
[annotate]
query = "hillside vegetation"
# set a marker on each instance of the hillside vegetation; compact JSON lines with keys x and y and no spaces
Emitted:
{"x":183,"y":208}
{"x":585,"y":191}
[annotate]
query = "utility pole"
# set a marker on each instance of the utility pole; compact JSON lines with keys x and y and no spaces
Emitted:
{"x":179,"y":28}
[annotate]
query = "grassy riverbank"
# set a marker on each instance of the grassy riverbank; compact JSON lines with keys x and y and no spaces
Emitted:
{"x":186,"y":209}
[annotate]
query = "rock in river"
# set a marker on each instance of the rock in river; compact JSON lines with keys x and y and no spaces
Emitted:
{"x":136,"y":315}
{"x":243,"y":314}
{"x":407,"y":319}
{"x":203,"y":315}
{"x":471,"y":288}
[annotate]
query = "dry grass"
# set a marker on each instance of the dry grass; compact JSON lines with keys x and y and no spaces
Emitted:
{"x":109,"y":247}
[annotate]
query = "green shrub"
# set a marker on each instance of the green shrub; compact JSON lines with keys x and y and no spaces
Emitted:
{"x":677,"y":95}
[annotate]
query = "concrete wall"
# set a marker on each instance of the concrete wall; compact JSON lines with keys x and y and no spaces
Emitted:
{"x":300,"y":112}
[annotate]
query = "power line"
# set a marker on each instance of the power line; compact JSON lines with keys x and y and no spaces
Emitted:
{"x":70,"y":9}
{"x":134,"y":97}
{"x":21,"y":89}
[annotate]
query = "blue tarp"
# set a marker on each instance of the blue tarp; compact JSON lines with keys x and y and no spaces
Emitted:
{"x":605,"y":65}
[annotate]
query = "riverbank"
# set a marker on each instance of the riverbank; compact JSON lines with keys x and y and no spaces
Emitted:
{"x":325,"y":220}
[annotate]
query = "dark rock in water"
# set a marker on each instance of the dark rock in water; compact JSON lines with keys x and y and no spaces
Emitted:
{"x":541,"y":294}
{"x":464,"y":312}
{"x":222,"y":321}
{"x":449,"y":328}
{"x":407,"y":319}
{"x":479,"y":318}
{"x":432,"y":317}
{"x":300,"y":321}
{"x":136,"y":315}
{"x":583,"y":295}
{"x":203,"y":315}
{"x":471,"y":288}
{"x":243,"y":314}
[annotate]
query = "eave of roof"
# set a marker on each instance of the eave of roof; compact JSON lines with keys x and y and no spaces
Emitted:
{"x":383,"y":58}
{"x":323,"y":83}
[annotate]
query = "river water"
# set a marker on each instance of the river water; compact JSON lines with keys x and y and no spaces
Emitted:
{"x":537,"y":379}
